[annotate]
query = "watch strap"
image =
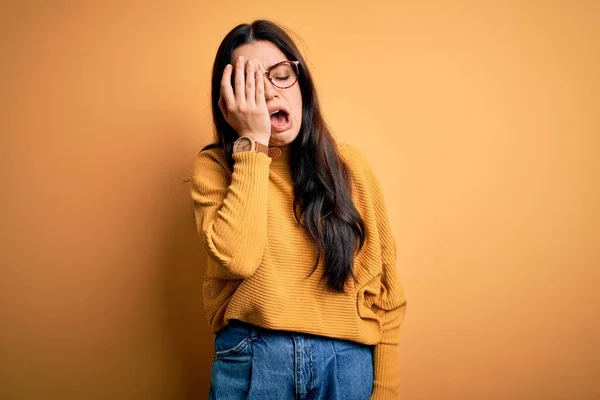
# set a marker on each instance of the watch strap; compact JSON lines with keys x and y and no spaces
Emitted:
{"x":262,"y":148}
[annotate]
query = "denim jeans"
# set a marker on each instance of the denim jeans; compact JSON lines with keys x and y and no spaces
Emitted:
{"x":255,"y":363}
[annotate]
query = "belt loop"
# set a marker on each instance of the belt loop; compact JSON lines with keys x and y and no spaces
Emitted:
{"x":253,"y":332}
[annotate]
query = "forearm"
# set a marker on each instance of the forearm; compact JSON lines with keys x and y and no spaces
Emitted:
{"x":234,"y":232}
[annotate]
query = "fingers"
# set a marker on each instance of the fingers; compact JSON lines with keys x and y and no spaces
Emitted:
{"x":223,"y":106}
{"x":250,"y":95}
{"x":227,"y":96}
{"x":260,"y":88}
{"x":249,"y":83}
{"x":240,"y":94}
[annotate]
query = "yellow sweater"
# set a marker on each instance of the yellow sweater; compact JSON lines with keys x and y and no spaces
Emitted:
{"x":259,"y":258}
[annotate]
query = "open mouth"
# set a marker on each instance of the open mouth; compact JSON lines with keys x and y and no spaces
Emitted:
{"x":280,"y":120}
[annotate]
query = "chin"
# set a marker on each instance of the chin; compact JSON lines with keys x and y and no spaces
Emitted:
{"x":283,"y":138}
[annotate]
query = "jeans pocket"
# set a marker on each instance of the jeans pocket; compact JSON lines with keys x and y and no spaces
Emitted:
{"x":231,"y":340}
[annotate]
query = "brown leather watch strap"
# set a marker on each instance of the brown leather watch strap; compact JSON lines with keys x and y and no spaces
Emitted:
{"x":262,"y":148}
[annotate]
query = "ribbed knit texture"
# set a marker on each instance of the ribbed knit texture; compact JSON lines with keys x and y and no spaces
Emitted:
{"x":259,"y":258}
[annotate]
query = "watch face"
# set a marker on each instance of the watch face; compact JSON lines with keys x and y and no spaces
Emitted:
{"x":242,"y":144}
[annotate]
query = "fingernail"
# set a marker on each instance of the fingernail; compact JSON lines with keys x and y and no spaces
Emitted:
{"x":250,"y":62}
{"x":241,"y":58}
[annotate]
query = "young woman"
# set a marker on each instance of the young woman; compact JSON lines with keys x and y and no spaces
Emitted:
{"x":301,"y":288}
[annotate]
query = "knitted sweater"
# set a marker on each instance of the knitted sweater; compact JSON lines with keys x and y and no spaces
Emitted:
{"x":259,"y":258}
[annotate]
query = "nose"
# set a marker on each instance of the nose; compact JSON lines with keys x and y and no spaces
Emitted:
{"x":270,"y":91}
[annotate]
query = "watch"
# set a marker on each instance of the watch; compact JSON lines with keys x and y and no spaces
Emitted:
{"x":247,"y":143}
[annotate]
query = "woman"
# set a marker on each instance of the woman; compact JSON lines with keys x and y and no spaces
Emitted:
{"x":301,"y":289}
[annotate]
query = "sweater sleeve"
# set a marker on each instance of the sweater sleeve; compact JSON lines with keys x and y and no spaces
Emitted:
{"x":230,"y":209}
{"x":390,"y":305}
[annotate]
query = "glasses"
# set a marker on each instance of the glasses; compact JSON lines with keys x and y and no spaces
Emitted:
{"x":284,"y":74}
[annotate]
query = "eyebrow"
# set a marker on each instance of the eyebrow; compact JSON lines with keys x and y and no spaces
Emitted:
{"x":270,"y":66}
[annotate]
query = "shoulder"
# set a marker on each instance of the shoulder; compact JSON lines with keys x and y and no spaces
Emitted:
{"x":360,"y":166}
{"x":357,"y":160}
{"x":354,"y":157}
{"x":351,"y":153}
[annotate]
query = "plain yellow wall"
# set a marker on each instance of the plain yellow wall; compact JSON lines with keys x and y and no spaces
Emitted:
{"x":480,"y":118}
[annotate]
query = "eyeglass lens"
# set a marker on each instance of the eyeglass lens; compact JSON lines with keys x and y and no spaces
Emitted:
{"x":283,"y":75}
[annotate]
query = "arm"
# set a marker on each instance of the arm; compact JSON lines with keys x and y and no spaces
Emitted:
{"x":231,"y":210}
{"x":390,"y":305}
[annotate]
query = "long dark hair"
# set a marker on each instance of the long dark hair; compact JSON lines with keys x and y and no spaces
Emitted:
{"x":323,"y":204}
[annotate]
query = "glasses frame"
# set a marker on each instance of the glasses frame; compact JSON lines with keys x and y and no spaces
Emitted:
{"x":296,"y":65}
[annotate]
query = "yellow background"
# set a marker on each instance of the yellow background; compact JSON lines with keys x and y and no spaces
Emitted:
{"x":480,"y":118}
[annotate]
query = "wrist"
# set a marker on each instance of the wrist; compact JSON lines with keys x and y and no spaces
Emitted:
{"x":250,"y":143}
{"x":261,"y":138}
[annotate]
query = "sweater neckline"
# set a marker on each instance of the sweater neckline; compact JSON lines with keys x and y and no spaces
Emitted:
{"x":283,"y":158}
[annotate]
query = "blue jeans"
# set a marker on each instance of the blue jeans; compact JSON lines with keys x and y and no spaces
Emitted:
{"x":255,"y":363}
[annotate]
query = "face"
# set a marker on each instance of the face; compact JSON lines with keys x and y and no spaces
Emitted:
{"x":265,"y":54}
